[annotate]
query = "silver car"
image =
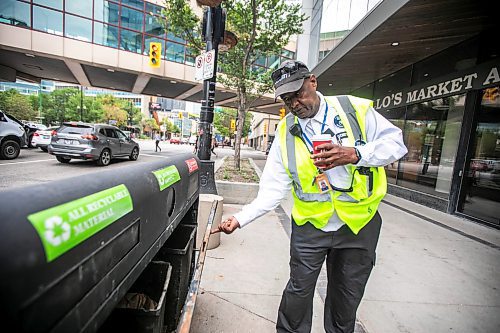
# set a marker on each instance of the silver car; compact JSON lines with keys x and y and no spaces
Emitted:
{"x":98,"y":142}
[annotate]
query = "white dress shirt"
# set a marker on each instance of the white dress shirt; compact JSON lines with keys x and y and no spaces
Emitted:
{"x":385,"y":145}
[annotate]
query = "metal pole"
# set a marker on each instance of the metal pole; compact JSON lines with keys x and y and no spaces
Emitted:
{"x":207,"y":177}
{"x":81,"y":103}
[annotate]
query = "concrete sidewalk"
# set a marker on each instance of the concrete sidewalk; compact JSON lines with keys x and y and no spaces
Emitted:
{"x":434,"y":273}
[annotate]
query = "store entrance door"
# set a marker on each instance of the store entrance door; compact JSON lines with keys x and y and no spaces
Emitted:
{"x":480,"y":192}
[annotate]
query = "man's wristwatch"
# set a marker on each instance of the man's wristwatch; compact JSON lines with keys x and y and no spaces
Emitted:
{"x":358,"y":155}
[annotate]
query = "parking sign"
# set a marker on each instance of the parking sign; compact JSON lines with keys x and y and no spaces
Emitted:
{"x":208,"y":69}
{"x":199,"y":64}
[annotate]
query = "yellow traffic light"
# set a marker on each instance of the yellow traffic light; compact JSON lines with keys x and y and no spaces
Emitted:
{"x":154,"y":54}
{"x":282,"y":113}
{"x":265,"y":128}
{"x":233,"y":124}
{"x":180,"y":115}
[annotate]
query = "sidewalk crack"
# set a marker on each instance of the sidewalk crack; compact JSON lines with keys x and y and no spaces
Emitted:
{"x":241,"y":307}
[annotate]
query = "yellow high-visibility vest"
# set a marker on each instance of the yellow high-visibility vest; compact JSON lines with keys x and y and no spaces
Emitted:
{"x":310,"y":205}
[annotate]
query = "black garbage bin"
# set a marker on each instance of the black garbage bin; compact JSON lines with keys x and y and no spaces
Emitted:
{"x":178,"y":251}
{"x":152,"y":285}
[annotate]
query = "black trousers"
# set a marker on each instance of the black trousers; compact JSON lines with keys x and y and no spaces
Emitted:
{"x":349,"y":259}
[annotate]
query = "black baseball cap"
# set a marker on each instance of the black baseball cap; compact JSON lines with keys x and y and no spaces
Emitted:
{"x":289,"y":77}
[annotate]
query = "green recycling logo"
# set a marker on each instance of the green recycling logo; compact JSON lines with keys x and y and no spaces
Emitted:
{"x":56,"y":230}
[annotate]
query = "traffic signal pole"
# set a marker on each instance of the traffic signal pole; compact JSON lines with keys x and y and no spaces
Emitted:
{"x":213,"y":30}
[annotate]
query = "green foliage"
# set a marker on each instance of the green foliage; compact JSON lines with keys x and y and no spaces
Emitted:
{"x":263,"y":28}
{"x":64,"y":105}
{"x":12,"y":102}
{"x":171,"y":128}
{"x":222,"y":121}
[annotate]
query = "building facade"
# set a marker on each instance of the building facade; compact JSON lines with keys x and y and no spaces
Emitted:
{"x":435,"y":76}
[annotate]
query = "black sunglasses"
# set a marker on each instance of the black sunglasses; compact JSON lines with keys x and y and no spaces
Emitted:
{"x":289,"y":68}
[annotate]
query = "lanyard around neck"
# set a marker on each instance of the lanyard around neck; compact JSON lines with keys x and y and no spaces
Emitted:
{"x":322,"y":126}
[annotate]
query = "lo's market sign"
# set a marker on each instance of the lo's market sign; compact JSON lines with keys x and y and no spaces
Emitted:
{"x":480,"y":77}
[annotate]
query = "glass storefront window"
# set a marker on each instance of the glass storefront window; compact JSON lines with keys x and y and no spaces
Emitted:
{"x":107,"y":12}
{"x":175,"y":52}
{"x":431,"y":134}
{"x":480,"y":193}
{"x":56,"y":4}
{"x":78,"y":28}
{"x":131,"y":19}
{"x":397,"y":118}
{"x":15,"y":13}
{"x":106,"y":35}
{"x":79,"y":7}
{"x":130,"y":41}
{"x":153,"y":26}
{"x":47,"y":20}
{"x":151,"y":39}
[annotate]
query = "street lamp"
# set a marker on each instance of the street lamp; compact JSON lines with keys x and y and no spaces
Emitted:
{"x":81,"y":109}
{"x":214,"y":35}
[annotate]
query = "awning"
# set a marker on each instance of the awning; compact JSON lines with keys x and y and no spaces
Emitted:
{"x":420,"y":27}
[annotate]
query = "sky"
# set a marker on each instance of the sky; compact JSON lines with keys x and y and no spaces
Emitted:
{"x":341,"y":15}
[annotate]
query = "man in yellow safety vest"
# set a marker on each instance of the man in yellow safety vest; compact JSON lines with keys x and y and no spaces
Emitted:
{"x":330,"y":152}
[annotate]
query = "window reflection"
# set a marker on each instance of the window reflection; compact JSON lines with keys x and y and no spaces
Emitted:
{"x":481,"y":182}
{"x":79,"y":7}
{"x":130,"y":41}
{"x":78,"y":28}
{"x":15,"y":13}
{"x":134,"y":3}
{"x":106,"y":35}
{"x":131,"y":19}
{"x":106,"y":11}
{"x":175,"y":52}
{"x":397,"y":118}
{"x":56,"y":4}
{"x":431,"y":134}
{"x":47,"y":20}
{"x":153,"y":26}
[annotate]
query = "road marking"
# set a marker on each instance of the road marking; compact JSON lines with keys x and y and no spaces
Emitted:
{"x":27,"y":162}
{"x":160,"y":156}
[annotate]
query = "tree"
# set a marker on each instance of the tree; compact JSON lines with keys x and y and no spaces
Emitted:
{"x":222,"y":121}
{"x":263,"y":27}
{"x":12,"y":102}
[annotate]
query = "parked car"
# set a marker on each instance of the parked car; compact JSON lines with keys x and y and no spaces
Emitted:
{"x":184,"y":141}
{"x":41,"y":138}
{"x":192,"y":140}
{"x":175,"y":140}
{"x":12,"y":137}
{"x":98,"y":142}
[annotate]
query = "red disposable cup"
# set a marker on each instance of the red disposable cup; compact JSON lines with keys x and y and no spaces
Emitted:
{"x":319,"y":140}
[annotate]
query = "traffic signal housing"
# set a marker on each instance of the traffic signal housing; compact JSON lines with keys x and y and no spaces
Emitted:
{"x":154,"y":54}
{"x":233,"y":124}
{"x":282,"y":113}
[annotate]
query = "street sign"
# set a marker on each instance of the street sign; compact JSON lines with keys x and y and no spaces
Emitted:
{"x":199,"y":62}
{"x":208,"y":68}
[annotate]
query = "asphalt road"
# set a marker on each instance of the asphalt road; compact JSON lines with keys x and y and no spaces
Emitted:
{"x":34,"y":166}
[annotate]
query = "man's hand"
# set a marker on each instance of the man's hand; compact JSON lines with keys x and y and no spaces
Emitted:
{"x":227,"y":226}
{"x":334,"y":155}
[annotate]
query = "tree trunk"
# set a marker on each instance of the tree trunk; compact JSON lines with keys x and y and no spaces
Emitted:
{"x":239,"y":129}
